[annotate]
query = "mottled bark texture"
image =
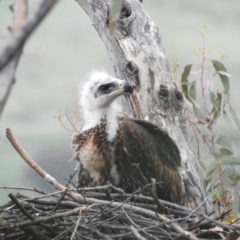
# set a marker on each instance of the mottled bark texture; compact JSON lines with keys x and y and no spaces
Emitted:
{"x":137,"y":55}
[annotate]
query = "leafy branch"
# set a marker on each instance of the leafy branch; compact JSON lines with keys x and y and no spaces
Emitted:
{"x":205,"y":115}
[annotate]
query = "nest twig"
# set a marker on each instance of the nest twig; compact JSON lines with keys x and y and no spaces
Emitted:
{"x":90,"y":213}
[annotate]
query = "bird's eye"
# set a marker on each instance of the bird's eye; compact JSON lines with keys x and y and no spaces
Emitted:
{"x":104,"y":88}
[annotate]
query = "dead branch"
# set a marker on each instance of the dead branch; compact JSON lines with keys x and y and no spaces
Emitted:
{"x":7,"y":74}
{"x":23,"y":188}
{"x":136,"y":234}
{"x":23,"y":32}
{"x":30,"y":162}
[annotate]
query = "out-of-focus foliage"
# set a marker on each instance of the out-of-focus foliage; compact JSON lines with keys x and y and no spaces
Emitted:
{"x":206,"y":111}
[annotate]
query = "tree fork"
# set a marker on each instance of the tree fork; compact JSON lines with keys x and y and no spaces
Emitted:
{"x":137,"y":55}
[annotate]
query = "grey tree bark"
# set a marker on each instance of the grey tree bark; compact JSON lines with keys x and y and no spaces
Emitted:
{"x":137,"y":55}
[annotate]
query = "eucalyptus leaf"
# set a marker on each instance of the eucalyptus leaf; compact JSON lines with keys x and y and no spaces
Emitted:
{"x":213,"y":100}
{"x":215,"y":114}
{"x":235,"y":117}
{"x":234,"y":177}
{"x":225,"y":73}
{"x":211,"y":167}
{"x":219,"y":100}
{"x":225,"y":152}
{"x":184,"y":81}
{"x":224,"y":78}
{"x":230,"y":171}
{"x":215,"y":155}
{"x":192,"y":90}
{"x":224,"y":141}
{"x":228,"y":160}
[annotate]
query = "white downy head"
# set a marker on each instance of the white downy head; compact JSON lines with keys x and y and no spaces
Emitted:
{"x":97,"y":99}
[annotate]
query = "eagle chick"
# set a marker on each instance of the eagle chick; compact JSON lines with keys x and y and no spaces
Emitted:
{"x":109,"y":143}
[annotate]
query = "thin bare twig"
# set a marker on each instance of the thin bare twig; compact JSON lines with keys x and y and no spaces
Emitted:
{"x":23,"y":188}
{"x":28,"y":215}
{"x":135,"y":230}
{"x":77,"y":210}
{"x":136,"y":233}
{"x":23,"y":32}
{"x":70,"y":120}
{"x":66,"y":190}
{"x":96,"y":232}
{"x":202,"y":73}
{"x":76,"y":227}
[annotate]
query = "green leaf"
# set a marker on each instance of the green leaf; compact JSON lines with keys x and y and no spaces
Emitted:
{"x":235,"y":117}
{"x":224,"y":141}
{"x":211,"y":169}
{"x":225,"y":152}
{"x":232,"y":174}
{"x":224,"y":78}
{"x":215,"y":114}
{"x":228,"y":160}
{"x":214,"y":102}
{"x":235,"y":204}
{"x":114,"y":13}
{"x":215,"y":155}
{"x":192,"y":90}
{"x":234,"y":177}
{"x":184,"y":81}
{"x":219,"y":100}
{"x":230,"y":171}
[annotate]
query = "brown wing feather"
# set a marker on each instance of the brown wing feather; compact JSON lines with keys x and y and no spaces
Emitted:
{"x":142,"y":142}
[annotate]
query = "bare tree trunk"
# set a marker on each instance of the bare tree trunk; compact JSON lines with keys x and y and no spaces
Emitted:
{"x":136,"y":52}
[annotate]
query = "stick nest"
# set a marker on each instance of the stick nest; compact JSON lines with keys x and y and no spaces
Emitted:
{"x":107,"y":213}
{"x":104,"y":212}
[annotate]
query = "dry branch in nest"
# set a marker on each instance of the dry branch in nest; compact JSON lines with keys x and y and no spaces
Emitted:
{"x":103,"y":212}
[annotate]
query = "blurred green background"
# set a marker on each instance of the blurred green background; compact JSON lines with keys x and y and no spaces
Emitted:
{"x":65,"y":47}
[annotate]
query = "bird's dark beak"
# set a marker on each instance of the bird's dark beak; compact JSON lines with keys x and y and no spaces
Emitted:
{"x":127,"y":87}
{"x":122,"y":87}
